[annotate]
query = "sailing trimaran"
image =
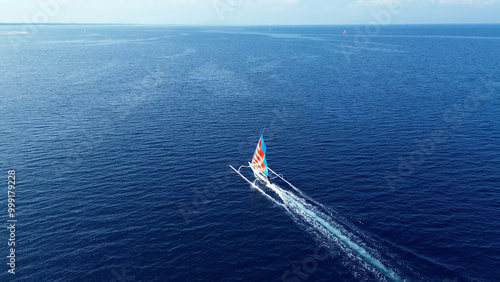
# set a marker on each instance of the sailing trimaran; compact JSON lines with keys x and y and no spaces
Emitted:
{"x":258,"y":165}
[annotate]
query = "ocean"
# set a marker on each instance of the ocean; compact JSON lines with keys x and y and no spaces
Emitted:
{"x":121,"y":138}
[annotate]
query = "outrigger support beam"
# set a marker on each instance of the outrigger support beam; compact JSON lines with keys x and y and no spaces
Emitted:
{"x":238,"y":172}
{"x":281,"y":177}
{"x":253,"y":184}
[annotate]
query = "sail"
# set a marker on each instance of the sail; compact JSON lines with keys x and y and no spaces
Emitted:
{"x":259,"y":157}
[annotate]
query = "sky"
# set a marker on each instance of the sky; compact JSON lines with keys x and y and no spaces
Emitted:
{"x":250,"y":12}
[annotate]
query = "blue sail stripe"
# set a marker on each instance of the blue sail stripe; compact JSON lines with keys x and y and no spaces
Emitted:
{"x":263,"y":147}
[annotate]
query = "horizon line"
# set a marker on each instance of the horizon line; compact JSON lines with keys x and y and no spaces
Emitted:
{"x":228,"y":25}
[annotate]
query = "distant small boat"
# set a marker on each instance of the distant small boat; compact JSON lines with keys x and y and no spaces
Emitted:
{"x":345,"y":32}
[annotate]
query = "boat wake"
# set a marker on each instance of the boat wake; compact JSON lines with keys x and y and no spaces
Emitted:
{"x":363,"y":261}
{"x":357,"y":252}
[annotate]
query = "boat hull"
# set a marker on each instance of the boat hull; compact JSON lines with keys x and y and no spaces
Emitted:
{"x":259,"y":175}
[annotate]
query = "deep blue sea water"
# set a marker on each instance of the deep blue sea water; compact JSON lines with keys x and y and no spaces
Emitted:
{"x":121,"y":137}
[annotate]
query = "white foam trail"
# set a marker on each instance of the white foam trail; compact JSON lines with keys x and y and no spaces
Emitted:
{"x":290,"y":199}
{"x":282,"y":178}
{"x":271,"y":198}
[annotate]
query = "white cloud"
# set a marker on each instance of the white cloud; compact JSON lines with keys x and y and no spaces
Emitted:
{"x":376,"y":2}
{"x":454,"y":2}
{"x":485,"y":2}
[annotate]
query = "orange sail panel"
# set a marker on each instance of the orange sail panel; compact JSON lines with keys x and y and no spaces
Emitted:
{"x":259,"y":157}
